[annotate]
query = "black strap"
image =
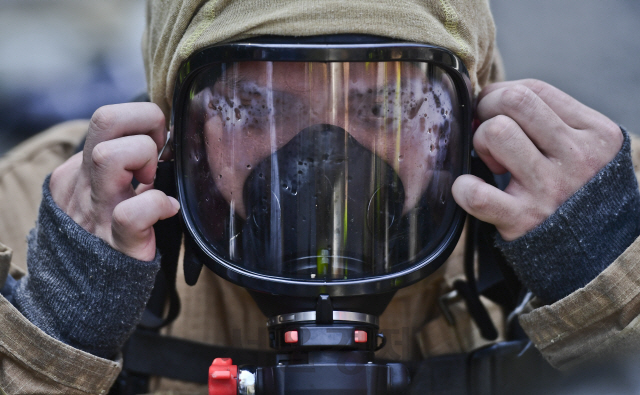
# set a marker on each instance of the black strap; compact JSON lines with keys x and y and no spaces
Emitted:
{"x":495,"y":278}
{"x":168,"y":234}
{"x":502,"y":368}
{"x":149,"y":353}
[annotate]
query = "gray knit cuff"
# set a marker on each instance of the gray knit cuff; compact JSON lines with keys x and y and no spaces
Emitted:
{"x":584,"y":236}
{"x":80,"y":290}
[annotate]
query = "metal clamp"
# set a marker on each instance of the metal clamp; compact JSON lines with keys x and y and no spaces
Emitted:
{"x":444,"y":301}
{"x":307,"y":316}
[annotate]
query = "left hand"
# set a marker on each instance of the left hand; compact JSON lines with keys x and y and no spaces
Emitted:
{"x":550,"y":143}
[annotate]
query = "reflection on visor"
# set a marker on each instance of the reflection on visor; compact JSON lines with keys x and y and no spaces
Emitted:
{"x":321,"y":170}
{"x":316,"y":185}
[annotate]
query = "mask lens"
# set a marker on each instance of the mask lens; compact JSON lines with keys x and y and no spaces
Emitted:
{"x":321,"y":170}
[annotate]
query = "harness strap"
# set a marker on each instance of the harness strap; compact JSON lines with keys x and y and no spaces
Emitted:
{"x":149,"y":353}
{"x":168,"y":239}
{"x":495,"y":278}
{"x":502,"y":368}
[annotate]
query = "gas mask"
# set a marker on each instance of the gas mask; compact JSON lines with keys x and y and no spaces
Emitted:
{"x":318,"y":175}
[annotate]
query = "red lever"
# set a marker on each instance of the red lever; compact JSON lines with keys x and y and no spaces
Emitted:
{"x":223,"y":377}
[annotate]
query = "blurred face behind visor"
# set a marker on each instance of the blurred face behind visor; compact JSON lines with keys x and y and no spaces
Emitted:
{"x":321,"y":170}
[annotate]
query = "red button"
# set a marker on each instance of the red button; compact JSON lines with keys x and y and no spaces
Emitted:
{"x":360,"y":336}
{"x":291,"y":337}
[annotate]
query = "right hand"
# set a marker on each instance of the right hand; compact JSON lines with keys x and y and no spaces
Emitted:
{"x":94,"y":187}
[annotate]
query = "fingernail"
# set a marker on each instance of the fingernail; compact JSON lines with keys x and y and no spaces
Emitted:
{"x":174,"y":202}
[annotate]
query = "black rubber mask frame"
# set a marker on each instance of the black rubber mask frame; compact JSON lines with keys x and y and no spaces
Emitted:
{"x":211,"y":231}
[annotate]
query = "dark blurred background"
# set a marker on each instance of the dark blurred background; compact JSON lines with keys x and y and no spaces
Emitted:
{"x":62,"y":60}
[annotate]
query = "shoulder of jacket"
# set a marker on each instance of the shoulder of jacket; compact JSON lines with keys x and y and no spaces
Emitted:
{"x":61,"y":139}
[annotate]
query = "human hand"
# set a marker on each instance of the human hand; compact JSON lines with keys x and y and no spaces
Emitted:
{"x":550,"y":143}
{"x":94,"y":187}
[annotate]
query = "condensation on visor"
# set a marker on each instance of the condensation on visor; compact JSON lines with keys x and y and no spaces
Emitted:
{"x":377,"y":144}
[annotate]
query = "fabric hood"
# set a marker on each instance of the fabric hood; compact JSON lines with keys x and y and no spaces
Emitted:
{"x":176,"y":29}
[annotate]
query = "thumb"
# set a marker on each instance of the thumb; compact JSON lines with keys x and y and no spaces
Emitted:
{"x":133,"y":219}
{"x":487,"y":203}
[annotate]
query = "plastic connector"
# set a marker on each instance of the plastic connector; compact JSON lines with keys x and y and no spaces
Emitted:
{"x":223,"y":377}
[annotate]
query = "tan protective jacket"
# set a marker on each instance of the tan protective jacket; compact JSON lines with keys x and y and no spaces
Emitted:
{"x":599,"y":319}
{"x":214,"y":311}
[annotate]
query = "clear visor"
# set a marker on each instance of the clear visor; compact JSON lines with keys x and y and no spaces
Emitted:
{"x":321,"y":170}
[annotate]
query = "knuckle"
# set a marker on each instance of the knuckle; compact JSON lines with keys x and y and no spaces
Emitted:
{"x":477,"y":198}
{"x":536,"y":86}
{"x":147,"y":145}
{"x":500,"y":129}
{"x":101,"y":155}
{"x":157,"y":199}
{"x":70,"y":167}
{"x":103,"y":119}
{"x":157,"y":116}
{"x":57,"y":178}
{"x":611,"y":132}
{"x":480,"y":140}
{"x":518,"y":98}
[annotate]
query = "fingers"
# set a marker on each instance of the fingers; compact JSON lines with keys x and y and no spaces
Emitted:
{"x":552,"y":145}
{"x":568,"y":109}
{"x":143,"y":188}
{"x":562,"y":129}
{"x":115,"y":162}
{"x":123,"y":216}
{"x":133,"y":220}
{"x":543,"y":126}
{"x":94,"y":187}
{"x":511,"y":217}
{"x":119,"y":120}
{"x":503,"y":146}
{"x":485,"y":202}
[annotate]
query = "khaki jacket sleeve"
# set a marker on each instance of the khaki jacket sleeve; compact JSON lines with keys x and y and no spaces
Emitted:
{"x":598,"y":321}
{"x":31,"y":362}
